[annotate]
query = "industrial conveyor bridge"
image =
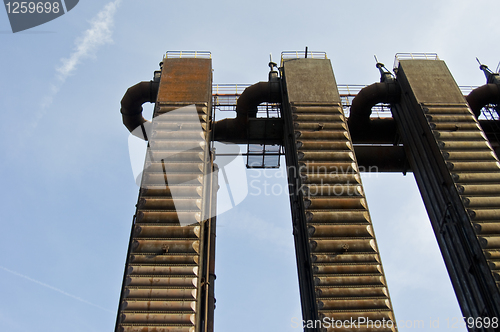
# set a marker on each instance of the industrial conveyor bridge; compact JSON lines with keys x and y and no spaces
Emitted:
{"x":328,"y":134}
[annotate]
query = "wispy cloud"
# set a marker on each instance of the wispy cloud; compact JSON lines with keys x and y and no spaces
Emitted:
{"x":53,"y":288}
{"x":99,"y":33}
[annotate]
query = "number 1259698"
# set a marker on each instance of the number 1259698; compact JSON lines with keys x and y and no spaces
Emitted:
{"x":32,"y":7}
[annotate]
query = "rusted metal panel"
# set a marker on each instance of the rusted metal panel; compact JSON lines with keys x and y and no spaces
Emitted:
{"x":148,"y":231}
{"x":155,"y":328}
{"x":158,"y":318}
{"x":168,"y":217}
{"x":346,"y":258}
{"x":365,"y":304}
{"x":156,"y":281}
{"x":180,"y":190}
{"x":159,"y":305}
{"x":165,"y":246}
{"x":322,"y":216}
{"x":340,"y":231}
{"x":347,"y":269}
{"x":337,"y":190}
{"x":352,"y":292}
{"x":165,"y":259}
{"x":161,"y":293}
{"x":142,"y":269}
{"x":349,"y":280}
{"x":186,"y":80}
{"x":178,"y":204}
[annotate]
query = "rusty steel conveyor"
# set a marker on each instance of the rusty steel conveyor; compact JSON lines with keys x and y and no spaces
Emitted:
{"x":169,"y":275}
{"x":168,"y":280}
{"x":340,"y":272}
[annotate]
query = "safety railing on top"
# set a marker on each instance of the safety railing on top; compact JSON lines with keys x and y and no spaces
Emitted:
{"x":414,"y":56}
{"x":466,"y":89}
{"x":302,"y":54}
{"x":225,"y":97}
{"x":228,"y":89}
{"x":188,"y":54}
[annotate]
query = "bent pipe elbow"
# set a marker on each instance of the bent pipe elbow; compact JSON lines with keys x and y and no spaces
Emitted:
{"x":361,"y":107}
{"x":246,"y":107}
{"x":254,"y":95}
{"x":482,"y":96}
{"x":131,"y":103}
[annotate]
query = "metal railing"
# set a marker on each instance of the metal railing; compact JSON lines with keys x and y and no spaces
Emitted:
{"x":414,"y":56}
{"x":225,"y":97}
{"x":188,"y":54}
{"x":228,"y":89}
{"x":466,"y":89}
{"x":302,"y":54}
{"x":349,"y":89}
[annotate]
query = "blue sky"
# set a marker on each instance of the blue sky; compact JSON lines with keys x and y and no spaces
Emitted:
{"x":68,"y":192}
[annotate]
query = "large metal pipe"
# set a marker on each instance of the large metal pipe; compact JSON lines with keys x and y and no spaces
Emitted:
{"x":482,"y":96}
{"x":254,"y":95}
{"x":246,"y":107}
{"x":486,"y":94}
{"x":361,"y":107}
{"x":131,"y":103}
